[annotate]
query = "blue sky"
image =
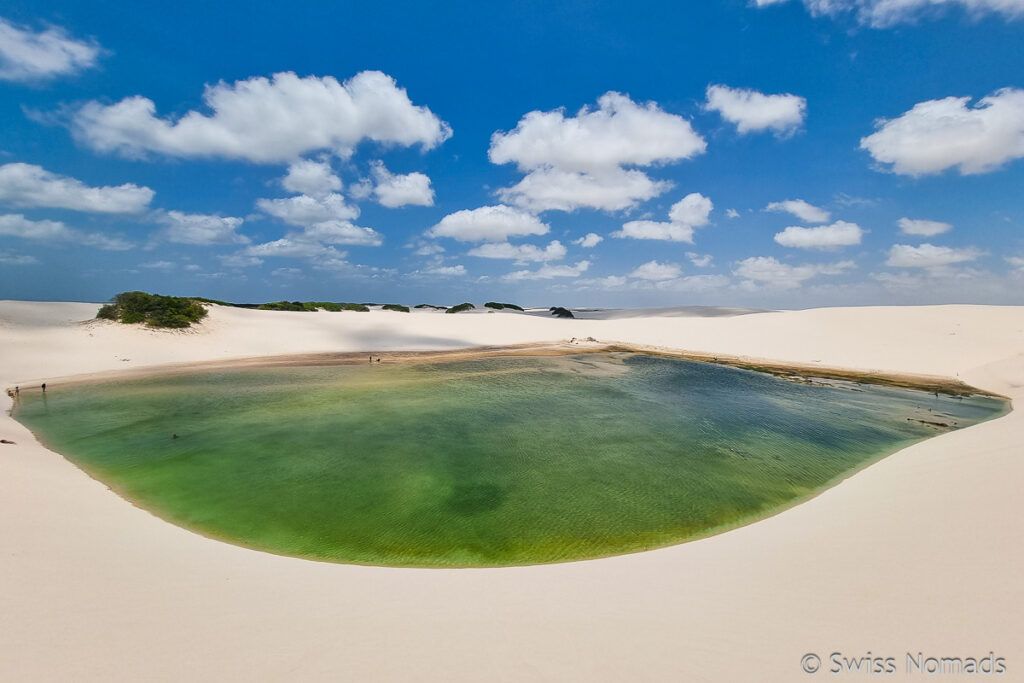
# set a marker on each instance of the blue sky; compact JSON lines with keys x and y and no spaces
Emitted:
{"x":769,"y":153}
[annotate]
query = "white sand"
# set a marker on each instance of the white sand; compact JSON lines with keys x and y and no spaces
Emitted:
{"x":920,"y":552}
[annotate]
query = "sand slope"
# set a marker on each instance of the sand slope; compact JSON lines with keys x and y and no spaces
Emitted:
{"x":920,"y":552}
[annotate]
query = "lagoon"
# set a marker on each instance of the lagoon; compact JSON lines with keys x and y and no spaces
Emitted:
{"x":482,"y":462}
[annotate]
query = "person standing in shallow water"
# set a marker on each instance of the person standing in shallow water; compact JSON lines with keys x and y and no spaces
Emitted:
{"x":44,"y":387}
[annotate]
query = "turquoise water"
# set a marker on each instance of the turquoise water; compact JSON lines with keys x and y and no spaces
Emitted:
{"x":483,"y":462}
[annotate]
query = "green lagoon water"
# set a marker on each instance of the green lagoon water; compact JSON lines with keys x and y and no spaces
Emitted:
{"x":486,"y":462}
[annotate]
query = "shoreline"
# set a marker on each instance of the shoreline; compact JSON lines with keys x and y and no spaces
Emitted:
{"x":791,"y":371}
{"x":782,"y":371}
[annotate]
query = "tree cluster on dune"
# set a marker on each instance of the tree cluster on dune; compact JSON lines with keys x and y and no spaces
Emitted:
{"x":153,"y":310}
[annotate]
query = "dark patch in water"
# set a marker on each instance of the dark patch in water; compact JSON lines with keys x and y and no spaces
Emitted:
{"x":475,"y":499}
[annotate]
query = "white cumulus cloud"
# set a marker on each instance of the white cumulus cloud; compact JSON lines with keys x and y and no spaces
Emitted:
{"x":341,"y":232}
{"x":33,"y":56}
{"x":692,"y":211}
{"x":393,"y":190}
{"x":929,"y":256}
{"x":266,"y":120}
{"x":607,"y":282}
{"x":620,"y":132}
{"x":937,"y":135}
{"x":488,"y":224}
{"x":588,"y":241}
{"x":654,"y":270}
{"x":292,"y":247}
{"x":196,"y":228}
{"x":56,"y":232}
{"x":239,"y":260}
{"x":770,"y":272}
{"x":887,"y":13}
{"x":551,"y":189}
{"x":457,"y":270}
{"x":655,"y":230}
{"x":699,"y":260}
{"x":28,"y":185}
{"x":165,"y":266}
{"x":306,"y":210}
{"x":838,"y":234}
{"x":313,"y":178}
{"x":577,"y":161}
{"x":806,"y":212}
{"x":548,"y":272}
{"x":555,"y":251}
{"x":752,"y":111}
{"x":919,"y":226}
{"x":324,"y":218}
{"x":9,"y":258}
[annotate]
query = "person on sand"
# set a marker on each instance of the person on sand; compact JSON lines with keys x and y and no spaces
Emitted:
{"x":44,"y":387}
{"x":17,"y":391}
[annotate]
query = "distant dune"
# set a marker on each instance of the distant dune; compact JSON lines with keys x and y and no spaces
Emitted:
{"x":664,"y":312}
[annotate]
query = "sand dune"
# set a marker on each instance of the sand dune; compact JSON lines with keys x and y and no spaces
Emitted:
{"x":661,"y":312}
{"x":918,"y":553}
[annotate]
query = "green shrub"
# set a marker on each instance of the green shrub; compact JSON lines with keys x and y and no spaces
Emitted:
{"x":108,"y":312}
{"x":560,"y":312}
{"x":285,"y":306}
{"x":460,"y":308}
{"x":311,"y":306}
{"x":498,"y":307}
{"x":395,"y":307}
{"x":154,"y":310}
{"x":436,"y":308}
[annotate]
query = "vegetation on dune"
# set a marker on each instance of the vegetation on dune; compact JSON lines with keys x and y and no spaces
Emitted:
{"x":174,"y":311}
{"x":560,"y":312}
{"x":436,"y":308}
{"x":286,"y":306}
{"x":498,"y":306}
{"x":336,"y":306}
{"x":395,"y":307}
{"x":153,"y":310}
{"x":214,"y":301}
{"x":332,"y":306}
{"x":461,"y":307}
